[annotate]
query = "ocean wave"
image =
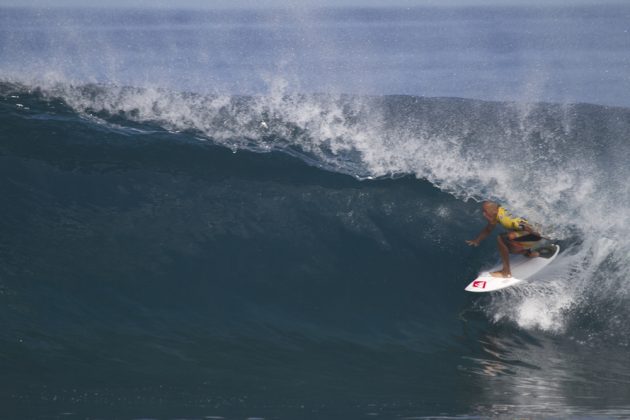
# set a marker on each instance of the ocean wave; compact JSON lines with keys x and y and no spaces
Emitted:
{"x":560,"y":165}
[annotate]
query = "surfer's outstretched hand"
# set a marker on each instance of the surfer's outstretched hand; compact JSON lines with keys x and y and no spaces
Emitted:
{"x":473,"y":242}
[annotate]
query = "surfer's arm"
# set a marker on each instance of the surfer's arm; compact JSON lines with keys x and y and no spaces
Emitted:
{"x":482,"y":235}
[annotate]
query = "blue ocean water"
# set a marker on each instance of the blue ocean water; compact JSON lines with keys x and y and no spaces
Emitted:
{"x":262,"y":214}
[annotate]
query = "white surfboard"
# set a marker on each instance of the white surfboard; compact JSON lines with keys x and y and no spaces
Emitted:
{"x":521,"y":266}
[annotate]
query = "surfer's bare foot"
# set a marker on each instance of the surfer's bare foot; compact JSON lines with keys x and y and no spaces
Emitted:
{"x":532,"y":254}
{"x":505,"y":274}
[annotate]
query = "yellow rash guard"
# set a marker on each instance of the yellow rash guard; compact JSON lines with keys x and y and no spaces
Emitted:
{"x":518,"y":239}
{"x":509,"y":222}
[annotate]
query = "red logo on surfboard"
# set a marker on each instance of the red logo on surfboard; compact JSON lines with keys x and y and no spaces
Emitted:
{"x":479,"y":283}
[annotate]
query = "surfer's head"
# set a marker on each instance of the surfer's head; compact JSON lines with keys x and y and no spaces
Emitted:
{"x":490,"y":210}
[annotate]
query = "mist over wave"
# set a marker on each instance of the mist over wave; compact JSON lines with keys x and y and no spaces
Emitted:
{"x":527,"y":53}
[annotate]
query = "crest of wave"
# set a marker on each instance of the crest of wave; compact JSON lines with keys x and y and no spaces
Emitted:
{"x":327,"y":130}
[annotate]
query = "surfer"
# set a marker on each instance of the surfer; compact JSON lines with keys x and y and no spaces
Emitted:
{"x":520,"y":237}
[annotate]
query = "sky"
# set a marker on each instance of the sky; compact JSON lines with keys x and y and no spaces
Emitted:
{"x":223,"y":4}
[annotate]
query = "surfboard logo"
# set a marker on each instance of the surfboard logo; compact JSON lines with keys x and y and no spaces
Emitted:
{"x":479,"y":284}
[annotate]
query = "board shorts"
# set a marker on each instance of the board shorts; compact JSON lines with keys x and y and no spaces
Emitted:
{"x":521,"y":240}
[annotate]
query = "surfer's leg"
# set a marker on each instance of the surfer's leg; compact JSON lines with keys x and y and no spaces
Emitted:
{"x":530,"y":253}
{"x":522,"y":242}
{"x":505,"y":257}
{"x":525,"y":243}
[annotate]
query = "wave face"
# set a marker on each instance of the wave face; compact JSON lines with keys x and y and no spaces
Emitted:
{"x":299,"y":256}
